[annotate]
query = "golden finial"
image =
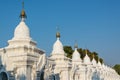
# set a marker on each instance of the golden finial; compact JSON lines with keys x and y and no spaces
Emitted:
{"x":58,"y":33}
{"x":23,"y":14}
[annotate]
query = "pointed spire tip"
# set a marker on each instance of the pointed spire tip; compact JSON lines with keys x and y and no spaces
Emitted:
{"x":58,"y":33}
{"x":23,"y":14}
{"x":76,"y":45}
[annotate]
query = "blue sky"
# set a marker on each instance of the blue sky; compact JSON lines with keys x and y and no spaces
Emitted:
{"x":95,"y":24}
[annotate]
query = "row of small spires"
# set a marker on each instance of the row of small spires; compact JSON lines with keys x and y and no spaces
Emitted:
{"x":76,"y":46}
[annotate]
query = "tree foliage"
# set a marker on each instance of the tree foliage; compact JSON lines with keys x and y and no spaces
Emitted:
{"x":117,"y":68}
{"x":69,"y":51}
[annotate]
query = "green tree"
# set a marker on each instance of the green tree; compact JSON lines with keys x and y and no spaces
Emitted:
{"x":101,"y":60}
{"x":68,"y":50}
{"x":82,"y":52}
{"x":117,"y":68}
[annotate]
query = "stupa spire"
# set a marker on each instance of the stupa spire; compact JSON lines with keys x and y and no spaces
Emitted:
{"x":86,"y":59}
{"x":58,"y":33}
{"x":58,"y":47}
{"x":93,"y":60}
{"x":76,"y":54}
{"x":99,"y":63}
{"x":76,"y":45}
{"x":22,"y":30}
{"x":23,"y":14}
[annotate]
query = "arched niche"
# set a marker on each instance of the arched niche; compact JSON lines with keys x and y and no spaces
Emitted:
{"x":42,"y":76}
{"x":52,"y":77}
{"x":3,"y":76}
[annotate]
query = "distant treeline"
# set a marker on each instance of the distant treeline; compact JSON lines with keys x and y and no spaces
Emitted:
{"x":69,"y":51}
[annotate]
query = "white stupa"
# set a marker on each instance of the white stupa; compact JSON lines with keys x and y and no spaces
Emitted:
{"x":94,"y":63}
{"x":99,"y":63}
{"x":86,"y":59}
{"x":22,"y":30}
{"x":76,"y":54}
{"x":58,"y":47}
{"x":21,"y":34}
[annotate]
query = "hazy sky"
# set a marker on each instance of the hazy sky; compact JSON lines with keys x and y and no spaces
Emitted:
{"x":95,"y":24}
